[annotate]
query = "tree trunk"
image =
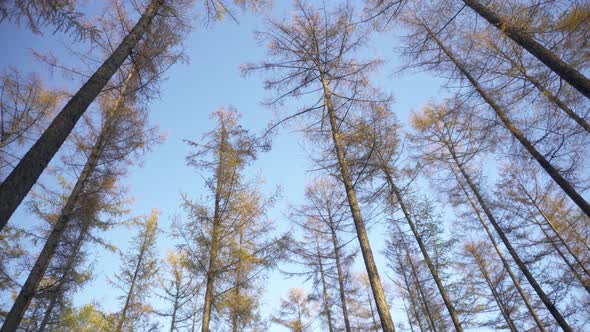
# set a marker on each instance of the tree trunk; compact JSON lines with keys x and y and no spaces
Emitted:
{"x":324,"y":288}
{"x":68,"y":268}
{"x":503,"y":310}
{"x":441,"y":288}
{"x":544,"y":298}
{"x":373,"y":274}
{"x":22,"y":178}
{"x":210,"y":287}
{"x":132,"y":287}
{"x":505,"y":263}
{"x":546,"y":165}
{"x":410,"y":295}
{"x":340,"y":276}
{"x":519,"y":36}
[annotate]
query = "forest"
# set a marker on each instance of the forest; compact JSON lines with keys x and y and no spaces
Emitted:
{"x":301,"y":165}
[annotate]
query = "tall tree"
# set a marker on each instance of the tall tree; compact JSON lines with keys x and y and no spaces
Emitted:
{"x":456,"y":155}
{"x":314,"y":55}
{"x":295,"y":311}
{"x":120,"y":134}
{"x":138,"y":274}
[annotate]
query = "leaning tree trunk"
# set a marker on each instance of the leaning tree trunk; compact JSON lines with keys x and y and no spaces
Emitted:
{"x":521,"y":265}
{"x":340,"y":276}
{"x":411,"y":295}
{"x":505,"y":263}
{"x":501,"y":305}
{"x":441,"y":288}
{"x":27,"y":292}
{"x":132,"y":287}
{"x":501,"y":113}
{"x":68,"y":268}
{"x":373,"y":274}
{"x":22,"y":178}
{"x":550,"y":59}
{"x":324,"y":287}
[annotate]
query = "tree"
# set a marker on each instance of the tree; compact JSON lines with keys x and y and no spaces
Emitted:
{"x":295,"y":311}
{"x":324,"y":219}
{"x":229,"y":238}
{"x":181,"y":289}
{"x":314,"y":56}
{"x":456,"y":155}
{"x":138,"y":274}
{"x":122,"y":133}
{"x":22,"y":178}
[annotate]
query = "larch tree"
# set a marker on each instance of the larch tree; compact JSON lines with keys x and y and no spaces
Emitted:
{"x":109,"y":148}
{"x":137,"y":277}
{"x":179,"y":289}
{"x":295,"y":311}
{"x":314,"y":58}
{"x":228,"y":238}
{"x":457,"y":156}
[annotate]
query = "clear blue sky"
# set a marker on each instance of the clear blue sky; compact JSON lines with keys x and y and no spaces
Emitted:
{"x":192,"y":92}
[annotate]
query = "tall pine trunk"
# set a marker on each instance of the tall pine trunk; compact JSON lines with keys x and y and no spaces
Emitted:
{"x":324,"y":287}
{"x":67,"y":270}
{"x":501,"y":113}
{"x":501,"y":305}
{"x":340,"y":276}
{"x":433,"y":271}
{"x":505,"y":263}
{"x":528,"y":275}
{"x":215,"y":241}
{"x":411,"y":295}
{"x":550,"y":59}
{"x":22,"y":178}
{"x":373,"y":274}
{"x":129,"y":297}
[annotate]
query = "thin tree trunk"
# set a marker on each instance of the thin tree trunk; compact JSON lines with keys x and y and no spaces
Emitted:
{"x":546,"y":165}
{"x":559,"y":237}
{"x":208,"y":301}
{"x":411,"y":295}
{"x":175,"y":308}
{"x":340,"y":276}
{"x":505,"y":263}
{"x":238,"y":285}
{"x":22,"y":178}
{"x":551,"y":60}
{"x":542,"y":295}
{"x":324,"y":287}
{"x":503,"y":310}
{"x":132,"y":287}
{"x":68,"y":268}
{"x":425,"y":302}
{"x":373,"y":274}
{"x":418,"y":237}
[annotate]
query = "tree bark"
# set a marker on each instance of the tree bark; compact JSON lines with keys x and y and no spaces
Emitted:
{"x":22,"y":178}
{"x":373,"y":274}
{"x":546,"y":165}
{"x":519,"y":36}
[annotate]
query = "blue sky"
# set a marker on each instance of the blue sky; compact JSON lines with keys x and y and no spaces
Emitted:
{"x":194,"y":90}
